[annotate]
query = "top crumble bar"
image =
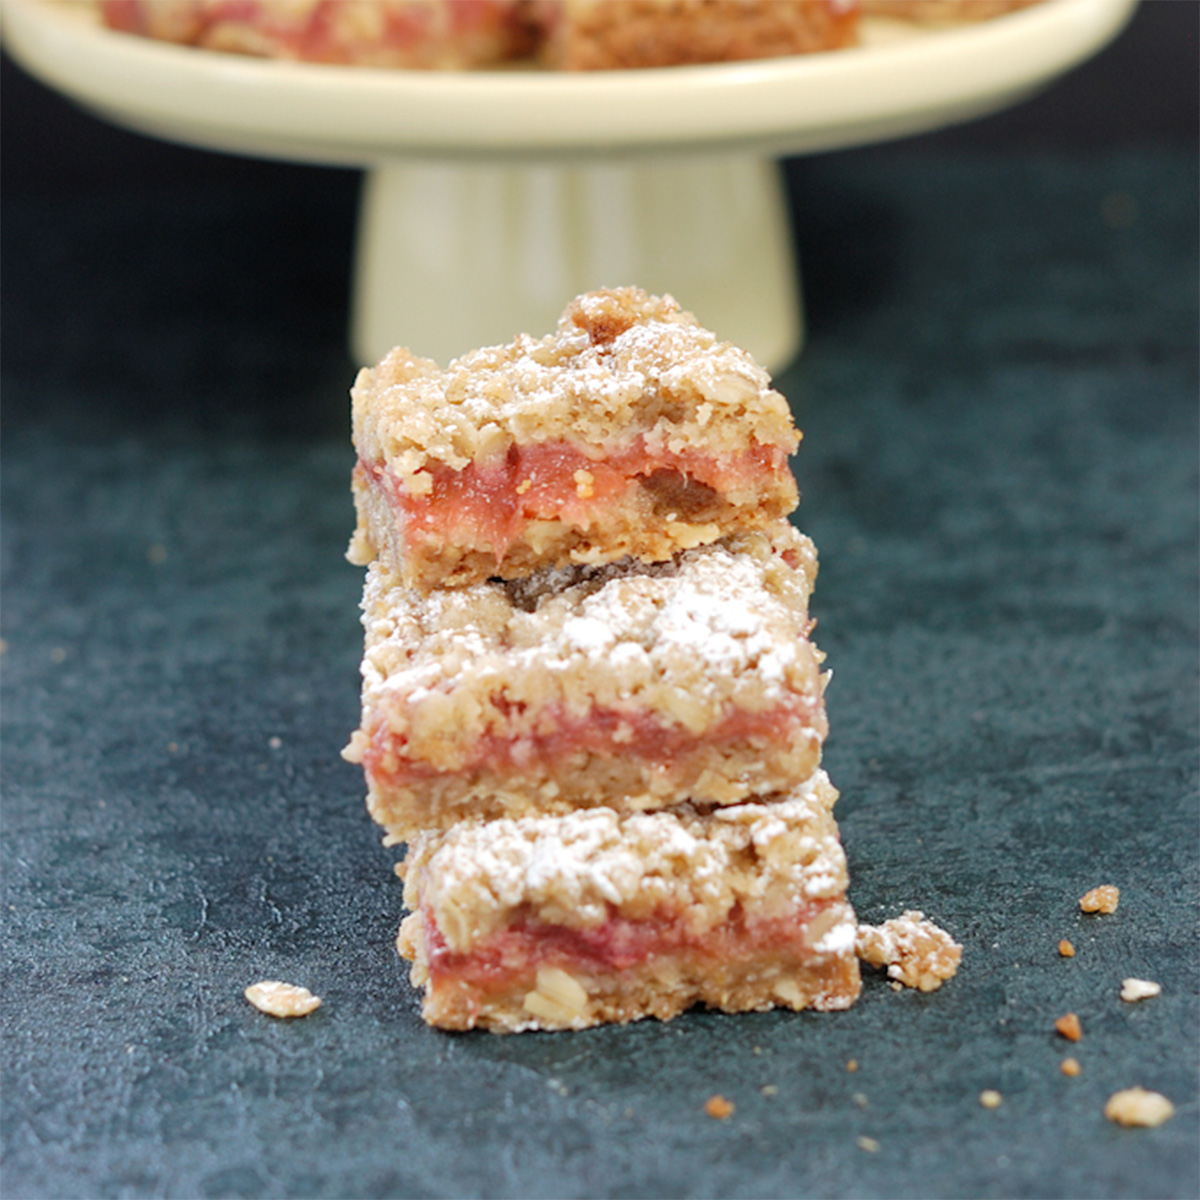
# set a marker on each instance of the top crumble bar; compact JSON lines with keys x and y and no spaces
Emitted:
{"x":630,"y":431}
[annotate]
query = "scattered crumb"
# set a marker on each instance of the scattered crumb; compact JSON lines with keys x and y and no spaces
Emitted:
{"x":869,"y":1144}
{"x":1139,"y":989}
{"x":3,"y":645}
{"x":278,"y":999}
{"x":1069,"y":1027}
{"x":719,"y":1107}
{"x":755,"y":1049}
{"x":172,"y":747}
{"x":1070,"y":1066}
{"x":1137,"y":1106}
{"x":1102,"y":899}
{"x":915,"y":951}
{"x":860,"y":1099}
{"x":852,"y":1065}
{"x":156,"y":553}
{"x":1066,"y":949}
{"x":58,"y":654}
{"x":274,"y":742}
{"x":897,"y":986}
{"x":769,"y":1089}
{"x":990,"y":1098}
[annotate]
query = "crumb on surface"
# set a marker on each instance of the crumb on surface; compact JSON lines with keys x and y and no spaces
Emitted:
{"x":1068,"y":1025}
{"x":1137,"y":1106}
{"x":1102,"y":899}
{"x":769,"y":1089}
{"x":1133,"y":990}
{"x":1066,"y":949}
{"x":1070,"y":1066}
{"x":990,"y":1098}
{"x":852,"y":1065}
{"x":278,"y":999}
{"x":861,"y":1100}
{"x":719,"y":1108}
{"x":915,"y":951}
{"x":869,"y":1144}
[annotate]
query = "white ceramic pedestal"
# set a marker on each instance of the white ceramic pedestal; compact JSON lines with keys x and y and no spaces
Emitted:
{"x":453,"y":256}
{"x":663,"y":178}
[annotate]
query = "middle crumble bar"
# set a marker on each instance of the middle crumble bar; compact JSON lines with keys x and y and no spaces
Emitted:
{"x":630,"y":431}
{"x":633,"y":685}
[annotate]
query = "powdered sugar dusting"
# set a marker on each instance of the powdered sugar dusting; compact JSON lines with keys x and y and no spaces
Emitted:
{"x":570,"y":869}
{"x":721,"y":619}
{"x":620,"y":363}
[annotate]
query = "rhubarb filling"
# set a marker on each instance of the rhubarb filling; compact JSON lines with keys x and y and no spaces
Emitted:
{"x":605,"y":732}
{"x":491,"y":506}
{"x":508,"y":958}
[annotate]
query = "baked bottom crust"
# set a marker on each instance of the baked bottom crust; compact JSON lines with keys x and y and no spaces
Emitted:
{"x":630,"y":685}
{"x":542,"y":977}
{"x":564,"y":922}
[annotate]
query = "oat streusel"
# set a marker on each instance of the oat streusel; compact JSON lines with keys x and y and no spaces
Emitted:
{"x":916,"y":952}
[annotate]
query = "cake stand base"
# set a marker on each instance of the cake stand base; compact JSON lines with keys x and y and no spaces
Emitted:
{"x":452,"y":256}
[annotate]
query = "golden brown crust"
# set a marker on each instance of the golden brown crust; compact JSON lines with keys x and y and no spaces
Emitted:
{"x":590,"y":35}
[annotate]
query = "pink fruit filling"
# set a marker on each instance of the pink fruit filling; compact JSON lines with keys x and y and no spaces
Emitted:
{"x":510,"y":956}
{"x":603,"y":732}
{"x":490,"y":506}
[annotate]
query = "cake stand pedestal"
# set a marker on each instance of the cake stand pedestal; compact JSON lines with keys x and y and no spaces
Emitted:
{"x":459,"y":255}
{"x":493,"y":197}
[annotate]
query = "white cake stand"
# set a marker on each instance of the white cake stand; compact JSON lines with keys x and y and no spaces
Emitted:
{"x":493,"y":197}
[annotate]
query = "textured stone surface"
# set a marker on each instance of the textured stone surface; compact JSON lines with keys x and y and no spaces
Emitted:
{"x":999,"y":400}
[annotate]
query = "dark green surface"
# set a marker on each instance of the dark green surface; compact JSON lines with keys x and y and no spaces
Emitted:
{"x":1000,"y":469}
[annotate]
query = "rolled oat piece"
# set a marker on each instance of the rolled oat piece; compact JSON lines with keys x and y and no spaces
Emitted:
{"x":566,"y":922}
{"x":630,"y":431}
{"x":633,"y":686}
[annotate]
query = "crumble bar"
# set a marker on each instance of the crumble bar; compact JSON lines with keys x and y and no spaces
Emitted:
{"x":590,"y":35}
{"x":630,"y":431}
{"x":411,"y":34}
{"x":570,"y":921}
{"x":630,"y":685}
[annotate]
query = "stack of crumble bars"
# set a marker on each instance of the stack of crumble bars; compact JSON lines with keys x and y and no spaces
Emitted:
{"x":590,"y":705}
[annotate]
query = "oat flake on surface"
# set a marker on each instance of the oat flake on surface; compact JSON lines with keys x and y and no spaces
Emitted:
{"x":1137,"y":1106}
{"x":1133,"y":990}
{"x":278,"y":999}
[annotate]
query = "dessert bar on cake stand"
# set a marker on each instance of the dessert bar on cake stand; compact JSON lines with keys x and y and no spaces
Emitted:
{"x":492,"y":195}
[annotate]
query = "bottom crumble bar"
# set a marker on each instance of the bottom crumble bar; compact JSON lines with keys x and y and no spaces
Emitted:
{"x":570,"y":921}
